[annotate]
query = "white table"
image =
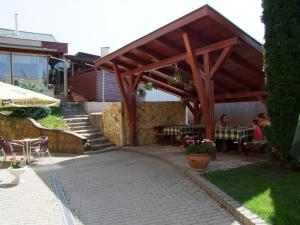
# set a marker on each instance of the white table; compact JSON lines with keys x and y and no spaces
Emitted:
{"x":27,"y":144}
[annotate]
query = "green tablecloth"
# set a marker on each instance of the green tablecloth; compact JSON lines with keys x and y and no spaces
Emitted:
{"x":181,"y":130}
{"x":236,"y":134}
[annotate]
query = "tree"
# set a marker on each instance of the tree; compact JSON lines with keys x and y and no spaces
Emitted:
{"x":282,"y":68}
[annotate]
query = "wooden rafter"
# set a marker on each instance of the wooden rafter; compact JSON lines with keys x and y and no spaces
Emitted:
{"x":233,"y":56}
{"x":221,"y":59}
{"x":236,"y":58}
{"x":170,"y":44}
{"x":183,"y":56}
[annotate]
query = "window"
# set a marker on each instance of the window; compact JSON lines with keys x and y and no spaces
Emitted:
{"x":30,"y":69}
{"x":5,"y":68}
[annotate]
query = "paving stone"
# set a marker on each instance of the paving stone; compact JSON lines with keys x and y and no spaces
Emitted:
{"x":128,"y":188}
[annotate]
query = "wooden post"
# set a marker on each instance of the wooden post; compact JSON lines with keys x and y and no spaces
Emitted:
{"x":133,"y":124}
{"x":198,"y":76}
{"x":204,"y":80}
{"x":129,"y":105}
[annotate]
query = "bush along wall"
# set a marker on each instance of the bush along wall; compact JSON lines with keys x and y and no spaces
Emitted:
{"x":282,"y":68}
{"x":31,"y":112}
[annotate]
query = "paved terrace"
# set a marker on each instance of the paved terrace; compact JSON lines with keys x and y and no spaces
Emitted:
{"x":111,"y":188}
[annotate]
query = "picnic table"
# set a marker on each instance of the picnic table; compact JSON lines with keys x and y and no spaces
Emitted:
{"x":174,"y":133}
{"x":235,"y":134}
{"x":180,"y":130}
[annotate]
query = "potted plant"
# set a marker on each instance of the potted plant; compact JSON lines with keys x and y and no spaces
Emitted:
{"x":175,"y":80}
{"x":199,"y":154}
{"x":148,"y":86}
{"x":16,"y":169}
{"x":140,"y":92}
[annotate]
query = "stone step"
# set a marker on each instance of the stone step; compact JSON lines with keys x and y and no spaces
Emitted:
{"x":87,"y":131}
{"x":96,"y":141}
{"x":81,"y":127}
{"x":75,"y":115}
{"x":73,"y":124}
{"x":76,"y":120}
{"x":103,"y":150}
{"x":92,"y":135}
{"x":100,"y":146}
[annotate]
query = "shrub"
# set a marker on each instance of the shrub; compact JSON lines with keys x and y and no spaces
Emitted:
{"x":204,"y":148}
{"x":282,"y":68}
{"x":32,"y":112}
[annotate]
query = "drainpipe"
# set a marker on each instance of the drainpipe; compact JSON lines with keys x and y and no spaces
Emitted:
{"x":65,"y":78}
{"x":104,"y":52}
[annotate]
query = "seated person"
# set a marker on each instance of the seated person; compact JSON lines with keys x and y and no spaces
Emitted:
{"x":257,"y":143}
{"x":221,"y":144}
{"x":257,"y":132}
{"x":263,"y":120}
{"x":224,"y":122}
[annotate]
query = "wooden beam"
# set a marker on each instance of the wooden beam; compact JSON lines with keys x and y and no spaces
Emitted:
{"x":133,"y":122}
{"x":121,"y":87}
{"x":136,"y":82}
{"x":163,"y":85}
{"x":191,"y":54}
{"x":183,"y":56}
{"x":221,"y":59}
{"x":241,"y":95}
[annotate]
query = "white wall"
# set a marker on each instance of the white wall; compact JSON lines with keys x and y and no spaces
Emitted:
{"x":92,"y":107}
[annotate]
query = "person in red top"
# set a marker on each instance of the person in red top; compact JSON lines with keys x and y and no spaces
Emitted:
{"x":257,"y":132}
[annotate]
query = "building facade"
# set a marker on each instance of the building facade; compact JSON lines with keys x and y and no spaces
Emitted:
{"x":34,"y":59}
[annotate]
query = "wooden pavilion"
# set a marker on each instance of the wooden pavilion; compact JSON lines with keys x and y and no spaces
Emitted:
{"x":225,"y":63}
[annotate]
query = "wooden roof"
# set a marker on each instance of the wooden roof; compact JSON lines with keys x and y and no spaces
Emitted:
{"x":157,"y":55}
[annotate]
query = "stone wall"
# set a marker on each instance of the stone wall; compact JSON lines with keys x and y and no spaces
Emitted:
{"x":12,"y":128}
{"x":113,"y":123}
{"x":96,"y":120}
{"x":149,"y":115}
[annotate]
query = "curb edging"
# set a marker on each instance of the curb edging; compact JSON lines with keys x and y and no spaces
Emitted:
{"x":243,"y":215}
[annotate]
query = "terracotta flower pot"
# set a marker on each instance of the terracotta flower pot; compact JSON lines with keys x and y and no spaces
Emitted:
{"x":198,"y":162}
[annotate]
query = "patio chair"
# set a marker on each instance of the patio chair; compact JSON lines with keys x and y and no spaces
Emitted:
{"x":1,"y":150}
{"x":10,"y":148}
{"x":41,"y":147}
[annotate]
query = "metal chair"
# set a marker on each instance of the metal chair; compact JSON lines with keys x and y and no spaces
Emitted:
{"x":10,"y":148}
{"x":41,"y":147}
{"x":1,"y":150}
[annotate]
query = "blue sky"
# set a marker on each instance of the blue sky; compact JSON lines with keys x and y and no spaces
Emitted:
{"x":89,"y":24}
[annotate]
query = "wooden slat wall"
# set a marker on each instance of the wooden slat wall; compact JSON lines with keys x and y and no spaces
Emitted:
{"x":241,"y":113}
{"x":83,"y":87}
{"x":89,"y":87}
{"x":111,"y":89}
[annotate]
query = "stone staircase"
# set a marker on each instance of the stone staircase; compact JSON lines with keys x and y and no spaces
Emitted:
{"x":78,"y":121}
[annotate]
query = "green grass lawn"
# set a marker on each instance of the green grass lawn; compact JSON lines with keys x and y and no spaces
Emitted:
{"x":272,"y":193}
{"x":53,"y":121}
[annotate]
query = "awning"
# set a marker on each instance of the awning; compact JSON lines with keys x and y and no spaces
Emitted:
{"x":158,"y":55}
{"x":14,"y":96}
